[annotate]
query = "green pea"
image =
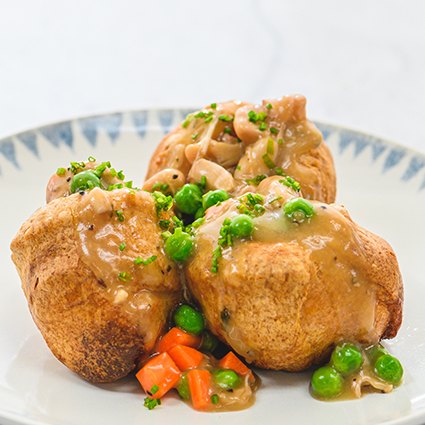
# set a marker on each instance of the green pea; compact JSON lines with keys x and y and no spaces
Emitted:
{"x":346,"y":358}
{"x":298,"y":209}
{"x":213,"y":197}
{"x":389,"y":369}
{"x":179,"y":245}
{"x":227,"y":379}
{"x":189,"y":198}
{"x":241,"y":226}
{"x":85,"y":180}
{"x":327,"y":382}
{"x":209,"y":342}
{"x":189,"y":320}
{"x":183,"y":387}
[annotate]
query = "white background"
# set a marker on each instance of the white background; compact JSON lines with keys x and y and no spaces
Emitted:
{"x":361,"y":64}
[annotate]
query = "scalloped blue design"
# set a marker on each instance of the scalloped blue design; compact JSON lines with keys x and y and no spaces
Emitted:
{"x":62,"y":133}
{"x":29,"y":139}
{"x":416,"y":164}
{"x":89,"y":129}
{"x":140,"y":119}
{"x":394,"y":157}
{"x":111,"y":124}
{"x":59,"y":133}
{"x":378,"y":149}
{"x":7,"y":148}
{"x":166,"y":119}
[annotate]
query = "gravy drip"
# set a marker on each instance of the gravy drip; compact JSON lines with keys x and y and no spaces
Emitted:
{"x":332,"y":244}
{"x":144,"y":292}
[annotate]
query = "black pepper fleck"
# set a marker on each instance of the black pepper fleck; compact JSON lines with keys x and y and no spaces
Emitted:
{"x":68,"y":179}
{"x":101,"y":283}
{"x":175,"y":176}
{"x":323,"y":207}
{"x":91,"y":227}
{"x":169,"y":268}
{"x":81,"y":192}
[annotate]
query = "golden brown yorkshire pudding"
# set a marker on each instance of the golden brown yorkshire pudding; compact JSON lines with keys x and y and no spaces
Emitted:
{"x":285,"y":295}
{"x":234,"y":143}
{"x":98,"y":284}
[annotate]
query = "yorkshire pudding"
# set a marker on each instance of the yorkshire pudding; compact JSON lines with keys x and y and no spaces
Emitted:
{"x":285,"y":295}
{"x":98,"y":284}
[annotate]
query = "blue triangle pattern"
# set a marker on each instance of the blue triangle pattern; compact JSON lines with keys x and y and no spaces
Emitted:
{"x":377,"y":149}
{"x":394,"y":157}
{"x":111,"y":124}
{"x":344,"y":141}
{"x":89,"y":129}
{"x":29,"y":139}
{"x":7,"y":148}
{"x":140,"y":119}
{"x":166,"y":119}
{"x":58,"y":133}
{"x":415,"y":165}
{"x":360,"y":145}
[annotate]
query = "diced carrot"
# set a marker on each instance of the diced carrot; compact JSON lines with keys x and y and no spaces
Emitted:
{"x":185,"y":357}
{"x":176,"y":336}
{"x":230,"y":361}
{"x":200,"y":388}
{"x":159,"y":375}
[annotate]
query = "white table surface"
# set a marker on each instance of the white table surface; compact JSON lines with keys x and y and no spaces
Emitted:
{"x":360,"y":63}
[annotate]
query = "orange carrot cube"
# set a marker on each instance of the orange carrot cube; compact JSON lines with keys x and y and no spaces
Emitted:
{"x":185,"y":357}
{"x":230,"y":361}
{"x":200,"y":388}
{"x":176,"y":336}
{"x":159,"y":375}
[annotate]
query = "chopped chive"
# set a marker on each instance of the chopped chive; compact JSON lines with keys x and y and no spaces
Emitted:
{"x":269,"y":106}
{"x":275,"y":199}
{"x":122,"y":246}
{"x":238,"y":167}
{"x":188,"y":120}
{"x":154,"y":389}
{"x":129,"y":184}
{"x":213,"y":105}
{"x":263,"y":126}
{"x":268,"y":161}
{"x":200,"y":114}
{"x":262,"y":116}
{"x":124,"y":276}
{"x":165,"y":224}
{"x":166,"y":234}
{"x":121,"y":175}
{"x":120,"y":215}
{"x":203,"y":181}
{"x":280,"y":141}
{"x":270,"y":146}
{"x":91,"y":159}
{"x":61,"y":171}
{"x":225,"y":118}
{"x":138,"y":261}
{"x":209,"y":119}
{"x":227,"y":130}
{"x":273,"y":130}
{"x":253,"y":117}
{"x":132,"y":192}
{"x":194,"y":136}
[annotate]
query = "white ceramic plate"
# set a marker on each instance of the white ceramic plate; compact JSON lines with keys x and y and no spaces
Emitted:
{"x":380,"y":183}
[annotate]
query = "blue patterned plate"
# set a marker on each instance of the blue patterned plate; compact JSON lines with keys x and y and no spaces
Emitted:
{"x":381,"y":184}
